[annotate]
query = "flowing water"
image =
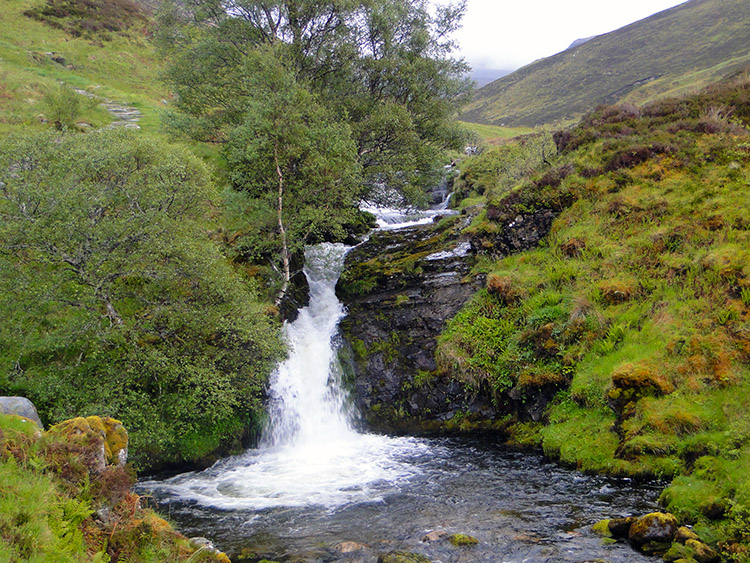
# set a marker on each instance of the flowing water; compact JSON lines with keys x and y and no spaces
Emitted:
{"x":315,"y":482}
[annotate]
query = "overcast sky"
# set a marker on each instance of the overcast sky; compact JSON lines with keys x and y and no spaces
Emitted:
{"x":508,"y":34}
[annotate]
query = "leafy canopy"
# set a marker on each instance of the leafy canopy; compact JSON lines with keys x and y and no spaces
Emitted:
{"x":383,"y":67}
{"x":116,"y":302}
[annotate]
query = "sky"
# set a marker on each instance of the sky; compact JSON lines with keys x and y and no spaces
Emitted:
{"x":508,"y":34}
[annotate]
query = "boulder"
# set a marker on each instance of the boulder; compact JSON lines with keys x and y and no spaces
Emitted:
{"x":402,"y":557}
{"x":652,"y":531}
{"x":434,"y":535}
{"x":620,"y":527}
{"x":20,"y":406}
{"x":349,"y":547}
{"x":683,"y":534}
{"x":702,"y":552}
{"x":106,"y":436}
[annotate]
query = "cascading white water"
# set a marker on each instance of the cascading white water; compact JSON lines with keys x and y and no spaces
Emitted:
{"x":309,"y":454}
{"x":307,"y":401}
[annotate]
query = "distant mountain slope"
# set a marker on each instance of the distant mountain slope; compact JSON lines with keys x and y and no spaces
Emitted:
{"x":673,"y":51}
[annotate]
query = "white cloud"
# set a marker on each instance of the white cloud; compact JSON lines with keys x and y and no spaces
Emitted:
{"x":507,"y":34}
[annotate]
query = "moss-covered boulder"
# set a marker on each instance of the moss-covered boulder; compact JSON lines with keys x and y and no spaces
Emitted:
{"x":402,"y":557}
{"x":702,"y":552}
{"x":601,"y":528}
{"x":683,"y":534}
{"x":106,"y":437}
{"x":652,"y":529}
{"x":678,"y":552}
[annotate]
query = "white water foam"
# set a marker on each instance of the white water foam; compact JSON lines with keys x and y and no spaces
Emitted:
{"x":310,"y":453}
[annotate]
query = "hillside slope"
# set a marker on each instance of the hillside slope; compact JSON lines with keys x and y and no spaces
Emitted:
{"x":671,"y":52}
{"x":104,"y":56}
{"x":632,"y":318}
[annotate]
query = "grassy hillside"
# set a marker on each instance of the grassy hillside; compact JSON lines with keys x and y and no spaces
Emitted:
{"x":675,"y":51}
{"x":36,"y":56}
{"x":633,"y":317}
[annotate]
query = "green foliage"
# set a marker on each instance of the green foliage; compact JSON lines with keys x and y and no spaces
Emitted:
{"x":496,"y":171}
{"x":50,"y":494}
{"x":65,"y":106}
{"x":397,"y":92}
{"x":107,"y":277}
{"x":291,"y":155}
{"x":679,"y":51}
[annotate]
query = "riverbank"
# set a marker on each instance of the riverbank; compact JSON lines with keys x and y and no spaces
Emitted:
{"x":619,"y":344}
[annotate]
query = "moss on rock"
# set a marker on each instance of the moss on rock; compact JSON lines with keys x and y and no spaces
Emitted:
{"x":462,"y":540}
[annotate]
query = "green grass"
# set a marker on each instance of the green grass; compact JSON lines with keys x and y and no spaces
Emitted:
{"x":490,"y":133}
{"x":676,"y":52}
{"x":124,"y":69}
{"x":635,"y":307}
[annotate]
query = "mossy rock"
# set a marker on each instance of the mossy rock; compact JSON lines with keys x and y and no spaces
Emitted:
{"x":402,"y":557}
{"x":620,"y":527}
{"x":702,"y":552}
{"x":105,"y":435}
{"x":462,"y":540}
{"x":629,"y":376}
{"x":652,"y":529}
{"x":678,"y":552}
{"x":683,"y":534}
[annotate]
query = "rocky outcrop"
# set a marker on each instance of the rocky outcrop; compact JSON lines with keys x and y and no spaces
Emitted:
{"x":20,"y":406}
{"x":400,"y":288}
{"x":105,"y":438}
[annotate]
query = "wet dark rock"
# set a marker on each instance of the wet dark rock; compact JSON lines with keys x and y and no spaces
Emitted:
{"x":620,"y":527}
{"x":400,"y":288}
{"x":652,"y":529}
{"x":656,"y":547}
{"x":520,"y":232}
{"x":296,"y":297}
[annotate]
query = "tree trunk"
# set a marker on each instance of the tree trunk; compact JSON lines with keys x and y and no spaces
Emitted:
{"x":282,"y":230}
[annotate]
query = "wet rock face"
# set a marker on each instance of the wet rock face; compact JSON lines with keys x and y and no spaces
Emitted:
{"x":400,"y":288}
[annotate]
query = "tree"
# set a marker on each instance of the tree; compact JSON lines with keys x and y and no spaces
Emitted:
{"x":385,"y":66}
{"x":115,"y":302}
{"x":290,"y":152}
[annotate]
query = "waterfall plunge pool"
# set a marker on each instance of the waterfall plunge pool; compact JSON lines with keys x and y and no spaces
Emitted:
{"x":388,"y":493}
{"x":315,"y":483}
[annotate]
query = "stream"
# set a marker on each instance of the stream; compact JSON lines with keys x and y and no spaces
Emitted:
{"x":318,"y":490}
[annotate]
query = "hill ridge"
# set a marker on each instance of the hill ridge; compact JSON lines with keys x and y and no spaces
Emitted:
{"x":673,"y":51}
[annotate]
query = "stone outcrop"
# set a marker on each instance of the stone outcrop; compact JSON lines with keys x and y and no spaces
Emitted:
{"x":20,"y":406}
{"x":400,"y":287}
{"x":106,"y":438}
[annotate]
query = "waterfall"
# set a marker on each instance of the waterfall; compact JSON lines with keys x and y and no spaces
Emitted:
{"x":309,"y":453}
{"x":308,"y":404}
